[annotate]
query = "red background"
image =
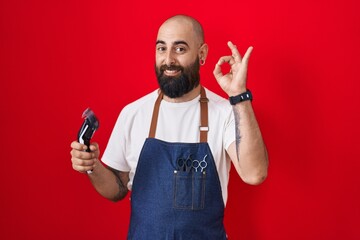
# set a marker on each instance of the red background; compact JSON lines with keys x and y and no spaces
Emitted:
{"x":59,"y":57}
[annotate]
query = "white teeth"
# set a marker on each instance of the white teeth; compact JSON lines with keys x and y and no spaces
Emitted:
{"x":171,"y":72}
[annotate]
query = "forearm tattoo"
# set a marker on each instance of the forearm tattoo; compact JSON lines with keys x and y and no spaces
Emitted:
{"x":122,"y":187}
{"x":237,"y":131}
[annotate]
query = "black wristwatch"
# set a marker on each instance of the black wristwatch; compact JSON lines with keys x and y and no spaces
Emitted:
{"x":241,"y":97}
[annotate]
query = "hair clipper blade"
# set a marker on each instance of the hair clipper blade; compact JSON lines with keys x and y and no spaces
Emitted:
{"x":88,"y":128}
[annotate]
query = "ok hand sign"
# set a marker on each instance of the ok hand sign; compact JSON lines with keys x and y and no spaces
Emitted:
{"x":233,"y":82}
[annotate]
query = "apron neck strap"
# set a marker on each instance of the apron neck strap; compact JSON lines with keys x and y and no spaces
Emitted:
{"x":204,"y":127}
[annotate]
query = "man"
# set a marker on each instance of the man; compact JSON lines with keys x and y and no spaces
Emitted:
{"x":172,"y":148}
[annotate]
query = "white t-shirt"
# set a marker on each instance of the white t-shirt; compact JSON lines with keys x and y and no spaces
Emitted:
{"x":177,"y":122}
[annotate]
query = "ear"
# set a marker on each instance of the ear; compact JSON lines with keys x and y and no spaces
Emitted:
{"x":203,"y":51}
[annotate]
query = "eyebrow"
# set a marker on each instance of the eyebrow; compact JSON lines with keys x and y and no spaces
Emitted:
{"x":160,"y":42}
{"x":175,"y":43}
{"x":181,"y":42}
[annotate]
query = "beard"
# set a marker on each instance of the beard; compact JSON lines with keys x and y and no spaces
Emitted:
{"x":177,"y":86}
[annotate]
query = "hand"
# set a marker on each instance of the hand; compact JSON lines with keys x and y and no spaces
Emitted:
{"x":234,"y":82}
{"x":83,"y":161}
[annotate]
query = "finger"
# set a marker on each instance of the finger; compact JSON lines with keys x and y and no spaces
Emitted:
{"x":78,"y":146}
{"x":82,"y":154}
{"x":80,"y":162}
{"x":82,"y":169}
{"x":217,"y":70}
{"x":248,"y":54}
{"x":83,"y":166}
{"x":234,"y":51}
{"x":226,"y":59}
{"x":94,"y":146}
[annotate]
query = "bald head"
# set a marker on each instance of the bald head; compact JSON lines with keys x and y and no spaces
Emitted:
{"x":187,"y":22}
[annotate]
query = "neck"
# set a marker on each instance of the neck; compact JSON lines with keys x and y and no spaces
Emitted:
{"x":186,"y":97}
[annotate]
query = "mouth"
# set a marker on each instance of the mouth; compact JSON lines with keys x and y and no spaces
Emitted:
{"x":172,"y":73}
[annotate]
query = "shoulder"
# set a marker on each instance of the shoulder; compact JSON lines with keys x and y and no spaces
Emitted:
{"x":139,"y":109}
{"x":214,"y":96}
{"x":217,"y":103}
{"x":142,"y":104}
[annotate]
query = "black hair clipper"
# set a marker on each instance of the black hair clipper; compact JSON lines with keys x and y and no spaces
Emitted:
{"x":88,"y":128}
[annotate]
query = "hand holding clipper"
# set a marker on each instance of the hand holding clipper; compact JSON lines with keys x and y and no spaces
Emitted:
{"x":88,"y":128}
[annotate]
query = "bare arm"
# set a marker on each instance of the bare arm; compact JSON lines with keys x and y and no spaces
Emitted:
{"x":110,"y":183}
{"x":248,"y":152}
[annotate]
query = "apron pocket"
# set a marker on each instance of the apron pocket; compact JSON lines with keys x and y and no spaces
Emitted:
{"x":189,"y":190}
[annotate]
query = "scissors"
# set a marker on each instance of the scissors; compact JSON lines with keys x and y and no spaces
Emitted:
{"x":199,"y":164}
{"x":185,"y":165}
{"x":202,"y":164}
{"x":196,"y":164}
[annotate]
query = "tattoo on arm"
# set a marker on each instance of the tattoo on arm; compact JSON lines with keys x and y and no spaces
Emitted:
{"x":122,"y":186}
{"x":237,"y":131}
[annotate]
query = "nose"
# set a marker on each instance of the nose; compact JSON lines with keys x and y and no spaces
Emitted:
{"x":169,"y":58}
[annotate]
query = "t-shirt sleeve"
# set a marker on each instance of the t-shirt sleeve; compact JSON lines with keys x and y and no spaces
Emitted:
{"x":229,"y":133}
{"x":114,"y":155}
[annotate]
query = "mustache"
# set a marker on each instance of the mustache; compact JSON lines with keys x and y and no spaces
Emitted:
{"x":171,"y":68}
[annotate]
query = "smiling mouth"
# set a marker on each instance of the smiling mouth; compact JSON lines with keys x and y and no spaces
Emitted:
{"x":171,"y":72}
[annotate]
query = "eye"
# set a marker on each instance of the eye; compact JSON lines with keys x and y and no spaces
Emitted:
{"x":161,"y":49}
{"x":180,"y":49}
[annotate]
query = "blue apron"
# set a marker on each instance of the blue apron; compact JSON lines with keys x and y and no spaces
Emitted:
{"x":176,"y":192}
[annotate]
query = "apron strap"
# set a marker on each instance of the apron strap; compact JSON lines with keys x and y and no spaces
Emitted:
{"x":155,"y":115}
{"x":204,"y":128}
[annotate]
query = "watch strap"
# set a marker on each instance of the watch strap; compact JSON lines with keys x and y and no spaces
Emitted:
{"x":245,"y":96}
